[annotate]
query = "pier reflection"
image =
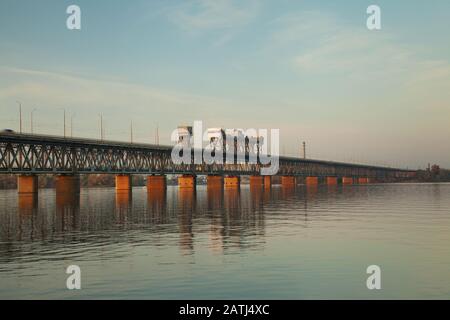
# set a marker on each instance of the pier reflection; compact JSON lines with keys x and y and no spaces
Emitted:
{"x":186,"y":204}
{"x":213,"y":241}
{"x":67,"y":211}
{"x":27,"y":204}
{"x":311,"y":192}
{"x":215,"y":197}
{"x":28,"y":208}
{"x":123,"y":206}
{"x":156,"y":205}
{"x":257,"y":197}
{"x":228,"y":219}
{"x":287,"y":191}
{"x":232,"y":203}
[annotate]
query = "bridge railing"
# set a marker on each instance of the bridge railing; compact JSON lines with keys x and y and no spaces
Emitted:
{"x":50,"y":154}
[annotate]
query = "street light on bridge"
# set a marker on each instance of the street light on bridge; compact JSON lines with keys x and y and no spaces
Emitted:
{"x":101,"y":126}
{"x":131,"y":131}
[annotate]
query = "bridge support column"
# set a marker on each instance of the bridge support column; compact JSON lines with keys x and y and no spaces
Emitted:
{"x":187,"y":181}
{"x":214,"y":181}
{"x":156,"y":182}
{"x":256,"y":181}
{"x":67,"y":184}
{"x":363,"y":180}
{"x":267,"y":182}
{"x":347,"y":180}
{"x":27,"y":184}
{"x":332,"y":181}
{"x":123,"y":183}
{"x":312,"y":181}
{"x":288,"y":181}
{"x":232,"y":182}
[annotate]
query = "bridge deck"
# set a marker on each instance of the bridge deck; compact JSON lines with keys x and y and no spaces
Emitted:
{"x":25,"y":153}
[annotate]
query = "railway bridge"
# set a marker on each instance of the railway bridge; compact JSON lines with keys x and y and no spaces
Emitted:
{"x":30,"y":155}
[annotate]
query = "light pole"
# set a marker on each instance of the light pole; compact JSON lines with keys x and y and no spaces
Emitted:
{"x":131,"y":131}
{"x":304,"y":150}
{"x":31,"y":119}
{"x":20,"y":116}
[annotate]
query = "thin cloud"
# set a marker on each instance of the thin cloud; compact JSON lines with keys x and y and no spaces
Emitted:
{"x":206,"y":15}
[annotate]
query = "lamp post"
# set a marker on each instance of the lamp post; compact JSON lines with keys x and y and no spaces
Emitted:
{"x":131,"y":131}
{"x":304,"y":150}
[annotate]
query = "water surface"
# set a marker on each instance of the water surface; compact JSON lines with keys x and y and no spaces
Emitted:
{"x":302,"y":243}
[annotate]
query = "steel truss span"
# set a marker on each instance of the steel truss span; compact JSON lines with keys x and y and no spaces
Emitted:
{"x":43,"y":154}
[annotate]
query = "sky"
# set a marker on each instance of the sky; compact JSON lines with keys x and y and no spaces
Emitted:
{"x":309,"y":68}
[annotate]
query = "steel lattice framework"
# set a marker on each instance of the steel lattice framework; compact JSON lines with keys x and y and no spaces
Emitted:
{"x":43,"y":154}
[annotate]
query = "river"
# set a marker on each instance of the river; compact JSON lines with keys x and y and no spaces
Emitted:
{"x":279,"y":243}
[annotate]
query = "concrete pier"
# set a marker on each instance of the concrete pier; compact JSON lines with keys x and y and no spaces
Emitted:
{"x":187,"y":181}
{"x":312,"y":181}
{"x":123,"y":183}
{"x":256,"y":181}
{"x":27,"y":184}
{"x":331,"y":181}
{"x":214,"y":181}
{"x":232,"y":182}
{"x":347,"y":180}
{"x":288,"y":181}
{"x":267,"y":182}
{"x":69,"y":184}
{"x":156,"y":182}
{"x":363,"y":180}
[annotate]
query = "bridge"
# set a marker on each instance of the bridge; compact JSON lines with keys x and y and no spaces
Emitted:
{"x":29,"y":155}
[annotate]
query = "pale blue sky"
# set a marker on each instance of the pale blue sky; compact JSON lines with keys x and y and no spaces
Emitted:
{"x":309,"y":68}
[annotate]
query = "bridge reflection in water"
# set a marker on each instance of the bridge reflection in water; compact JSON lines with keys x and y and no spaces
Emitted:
{"x":231,"y":218}
{"x":223,"y":240}
{"x":226,"y":215}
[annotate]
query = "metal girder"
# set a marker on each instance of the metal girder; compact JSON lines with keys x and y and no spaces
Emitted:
{"x":20,"y":153}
